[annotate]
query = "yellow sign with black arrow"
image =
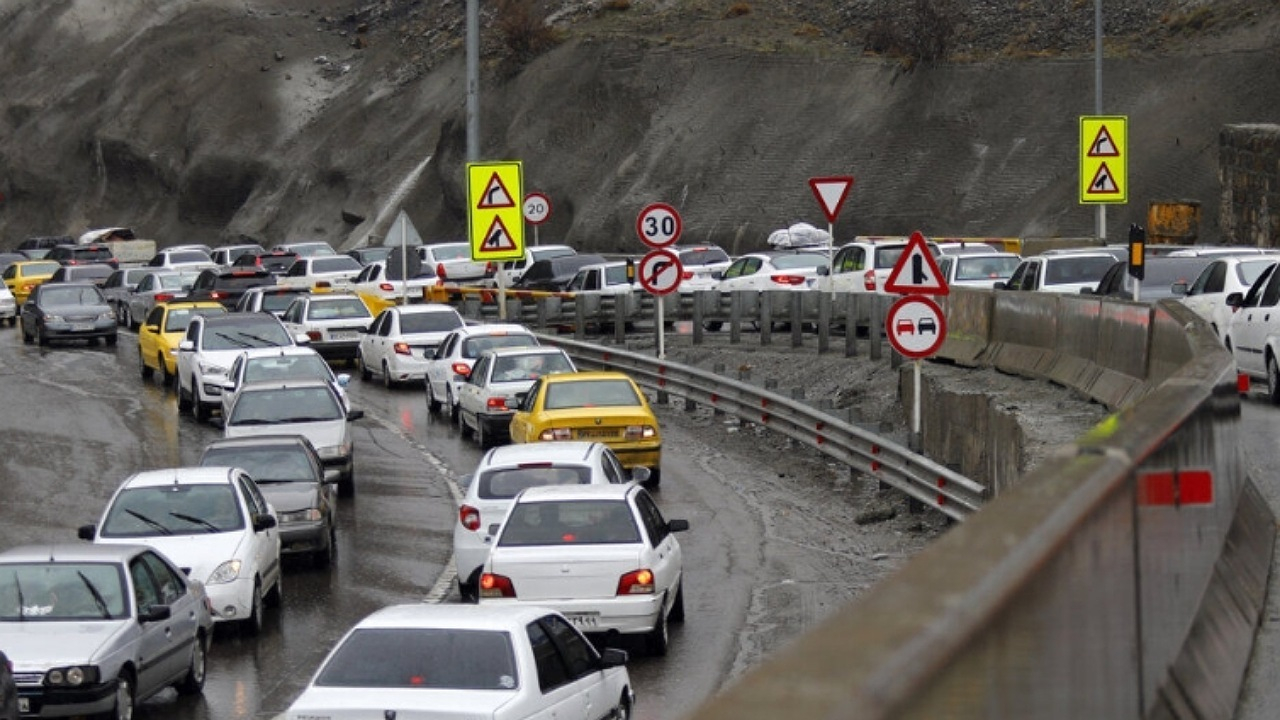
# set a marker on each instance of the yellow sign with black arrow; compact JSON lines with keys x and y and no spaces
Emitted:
{"x":1104,"y":160}
{"x":495,"y":210}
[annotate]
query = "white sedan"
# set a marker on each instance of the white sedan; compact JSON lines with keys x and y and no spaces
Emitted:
{"x":332,"y":322}
{"x":402,"y":339}
{"x":488,"y":399}
{"x":455,"y":661}
{"x":600,"y":554}
{"x":1207,"y":296}
{"x":452,"y":361}
{"x":775,"y":270}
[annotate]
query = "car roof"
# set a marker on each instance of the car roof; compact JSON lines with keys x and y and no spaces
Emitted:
{"x":524,"y":350}
{"x":548,"y":493}
{"x":330,"y":296}
{"x":585,"y":375}
{"x":285,"y":384}
{"x":423,"y":309}
{"x":279,"y":351}
{"x":182,"y":304}
{"x":189,"y":475}
{"x":249,"y":441}
{"x":518,"y":453}
{"x":492,"y":329}
{"x":242,"y":318}
{"x":452,"y":615}
{"x":71,"y":552}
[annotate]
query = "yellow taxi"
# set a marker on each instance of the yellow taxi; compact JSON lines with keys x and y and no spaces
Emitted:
{"x":23,"y":277}
{"x":606,"y":407}
{"x":162,"y":330}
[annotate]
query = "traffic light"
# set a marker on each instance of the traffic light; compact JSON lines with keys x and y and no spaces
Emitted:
{"x":1137,"y":251}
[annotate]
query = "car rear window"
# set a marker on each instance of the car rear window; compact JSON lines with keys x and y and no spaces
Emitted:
{"x":590,"y":393}
{"x":338,"y":309}
{"x":178,"y":319}
{"x":703,"y":256}
{"x":276,"y":406}
{"x":337,"y":263}
{"x":569,"y":522}
{"x":278,"y":300}
{"x":308,"y":366}
{"x":1077,"y":269}
{"x":472,"y":347}
{"x":982,"y":267}
{"x":265,"y":464}
{"x":92,"y":253}
{"x":233,"y":281}
{"x":799,"y":260}
{"x":187,"y":256}
{"x":506,"y":483}
{"x":429,"y":322}
{"x":422,"y":658}
{"x":451,"y":252}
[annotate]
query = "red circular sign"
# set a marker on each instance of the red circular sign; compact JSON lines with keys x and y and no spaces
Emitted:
{"x":658,"y":225}
{"x":916,"y":326}
{"x":537,"y":208}
{"x":659,"y":272}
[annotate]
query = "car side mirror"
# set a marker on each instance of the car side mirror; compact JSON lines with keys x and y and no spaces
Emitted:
{"x":153,"y":613}
{"x":1179,"y":288}
{"x":640,"y":474}
{"x":1000,"y":285}
{"x":493,"y":532}
{"x":677,"y":525}
{"x":152,"y":329}
{"x":343,"y":379}
{"x":332,"y":476}
{"x":186,"y":346}
{"x":824,"y":271}
{"x":355,"y":414}
{"x":613,"y":657}
{"x":717,"y":274}
{"x":263,"y":522}
{"x":519,"y":400}
{"x":1235,"y":300}
{"x":1087,"y":291}
{"x":86,"y":532}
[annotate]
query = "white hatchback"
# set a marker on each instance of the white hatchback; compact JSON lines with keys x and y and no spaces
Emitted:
{"x":497,"y":382}
{"x":402,"y":340}
{"x":214,"y":524}
{"x":463,"y":661}
{"x":602,"y":555}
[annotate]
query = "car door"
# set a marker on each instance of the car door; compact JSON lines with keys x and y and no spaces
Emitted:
{"x":1208,"y":287}
{"x":378,"y":339}
{"x":157,"y":647}
{"x":183,"y":625}
{"x":438,"y":370}
{"x":149,"y":337}
{"x":662,"y":553}
{"x":563,"y":689}
{"x":1253,"y":322}
{"x":187,"y":350}
{"x":521,"y":421}
{"x":473,"y":394}
{"x":265,"y":543}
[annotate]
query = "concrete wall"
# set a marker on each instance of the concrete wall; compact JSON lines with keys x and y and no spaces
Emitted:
{"x":1249,"y":171}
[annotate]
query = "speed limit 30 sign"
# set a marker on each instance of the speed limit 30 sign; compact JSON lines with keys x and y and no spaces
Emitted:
{"x":658,"y":225}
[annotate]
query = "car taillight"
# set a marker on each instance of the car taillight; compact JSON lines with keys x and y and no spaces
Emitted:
{"x":217,"y":295}
{"x":869,"y":281}
{"x":636,"y":582}
{"x":496,"y":403}
{"x":493,"y":586}
{"x":686,"y":275}
{"x":164,"y":297}
{"x":469,"y":517}
{"x":440,"y":273}
{"x":787,"y":279}
{"x":314,"y":335}
{"x":638,"y":432}
{"x":462,"y":369}
{"x":387,"y":287}
{"x":402,"y":348}
{"x":556,"y":434}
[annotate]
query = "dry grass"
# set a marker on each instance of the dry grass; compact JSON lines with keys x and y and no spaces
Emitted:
{"x":1197,"y":20}
{"x":737,"y":10}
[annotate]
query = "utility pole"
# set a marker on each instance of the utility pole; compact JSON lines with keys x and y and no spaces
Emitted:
{"x":473,"y":80}
{"x":1097,"y":100}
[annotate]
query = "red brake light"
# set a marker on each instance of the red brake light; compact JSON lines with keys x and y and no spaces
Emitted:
{"x":492,"y":585}
{"x":217,"y":295}
{"x":462,"y":369}
{"x":496,"y":403}
{"x":869,"y":281}
{"x":686,"y":275}
{"x":440,"y":271}
{"x":387,"y":287}
{"x":402,"y":348}
{"x":164,"y":297}
{"x":314,"y":335}
{"x":490,"y":269}
{"x":636,"y":582}
{"x":787,"y":279}
{"x":469,"y":517}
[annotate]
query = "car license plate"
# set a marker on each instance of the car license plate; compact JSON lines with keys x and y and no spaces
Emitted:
{"x":597,"y":433}
{"x":584,"y":621}
{"x":343,"y":335}
{"x":24,"y":705}
{"x":81,"y":327}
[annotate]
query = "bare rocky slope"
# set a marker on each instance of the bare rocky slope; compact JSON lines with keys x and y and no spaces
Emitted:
{"x":275,"y":120}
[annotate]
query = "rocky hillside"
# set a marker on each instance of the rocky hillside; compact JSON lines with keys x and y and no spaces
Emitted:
{"x":210,"y":120}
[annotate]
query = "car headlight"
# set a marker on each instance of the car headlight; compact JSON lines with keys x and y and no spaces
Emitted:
{"x":334,"y":452}
{"x":72,"y":676}
{"x":208,"y":368}
{"x":225,"y":573}
{"x":107,"y":316}
{"x":308,"y":515}
{"x":54,"y":318}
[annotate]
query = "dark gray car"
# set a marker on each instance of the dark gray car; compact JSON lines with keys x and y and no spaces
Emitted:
{"x":67,"y":311}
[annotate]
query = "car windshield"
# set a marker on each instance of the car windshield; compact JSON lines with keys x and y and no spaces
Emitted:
{"x":178,"y":319}
{"x":422,"y":658}
{"x":472,"y":347}
{"x":245,"y":335}
{"x":273,"y":406}
{"x":173,"y":510}
{"x":590,"y":393}
{"x":570,"y":522}
{"x":51,"y":296}
{"x":309,"y":366}
{"x":980,"y":267}
{"x":411,"y":323}
{"x":50,"y":591}
{"x":506,"y":483}
{"x":1061,"y":270}
{"x":311,"y":249}
{"x":265,"y":464}
{"x":338,"y":308}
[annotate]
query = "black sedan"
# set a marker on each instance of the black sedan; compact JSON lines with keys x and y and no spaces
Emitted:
{"x":67,"y":311}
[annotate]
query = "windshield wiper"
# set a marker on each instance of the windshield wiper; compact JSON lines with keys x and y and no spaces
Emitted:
{"x":163,"y":530}
{"x":97,"y":596}
{"x":208,"y":526}
{"x":254,"y":421}
{"x":305,"y":418}
{"x":235,"y":340}
{"x":22,"y":615}
{"x":264,"y":342}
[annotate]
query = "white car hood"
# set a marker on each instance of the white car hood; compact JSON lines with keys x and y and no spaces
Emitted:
{"x":322,"y":434}
{"x":337,"y":703}
{"x":37,"y":645}
{"x":198,"y":554}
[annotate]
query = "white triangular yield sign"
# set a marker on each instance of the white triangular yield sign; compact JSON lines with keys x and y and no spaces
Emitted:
{"x":916,"y":272}
{"x":402,"y":232}
{"x":495,"y":195}
{"x":1103,"y":183}
{"x":831,"y":192}
{"x":1103,"y":145}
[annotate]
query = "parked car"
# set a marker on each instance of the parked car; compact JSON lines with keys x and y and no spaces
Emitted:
{"x":1207,"y":296}
{"x":452,"y":263}
{"x":8,"y":306}
{"x":96,"y":273}
{"x":307,"y":249}
{"x":118,"y":286}
{"x":227,"y":286}
{"x":553,"y":274}
{"x":23,"y":277}
{"x":774,"y":270}
{"x":1065,"y":272}
{"x":402,"y":339}
{"x":366,"y":255}
{"x":502,"y":473}
{"x":458,"y":661}
{"x":83,"y":255}
{"x":864,"y":265}
{"x":67,"y":311}
{"x":624,"y":567}
{"x":280,"y":364}
{"x":322,"y":271}
{"x":299,"y":407}
{"x":271,"y":299}
{"x":156,"y":286}
{"x":1165,"y":277}
{"x":214,"y":523}
{"x":452,"y":361}
{"x":275,"y":261}
{"x":208,"y":349}
{"x":495,"y":385}
{"x":979,"y":270}
{"x":509,"y":272}
{"x":291,"y":476}
{"x":605,"y":406}
{"x":1253,"y":335}
{"x":332,"y":322}
{"x":97,"y":629}
{"x":179,"y":259}
{"x":227,"y":254}
{"x":161,"y":332}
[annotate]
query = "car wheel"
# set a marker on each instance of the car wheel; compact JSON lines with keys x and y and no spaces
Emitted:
{"x":146,"y":370}
{"x":433,"y":405}
{"x":126,"y":317}
{"x":655,"y":479}
{"x":347,"y":483}
{"x":483,"y":439}
{"x":169,"y":378}
{"x":199,"y":409}
{"x":387,"y":380}
{"x":623,"y":711}
{"x":41,"y":336}
{"x":13,"y":321}
{"x":275,"y":596}
{"x":184,"y":399}
{"x":119,"y":317}
{"x":463,"y":428}
{"x":252,"y":625}
{"x":470,"y":590}
{"x":658,"y":639}
{"x":112,"y":339}
{"x":1273,"y":381}
{"x":26,"y":338}
{"x":365,"y":375}
{"x":677,"y":608}
{"x":193,"y":682}
{"x":453,"y":405}
{"x":323,"y":557}
{"x":124,"y":697}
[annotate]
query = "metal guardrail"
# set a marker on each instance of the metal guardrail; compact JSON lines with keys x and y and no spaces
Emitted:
{"x":920,"y":478}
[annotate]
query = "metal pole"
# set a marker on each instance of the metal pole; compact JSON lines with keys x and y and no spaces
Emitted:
{"x":473,"y":80}
{"x":662,"y":330}
{"x":1097,"y":99}
{"x":404,"y":261}
{"x":915,"y":403}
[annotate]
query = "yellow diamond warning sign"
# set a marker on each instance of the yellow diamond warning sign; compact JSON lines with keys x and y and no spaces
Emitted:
{"x":1104,"y":162}
{"x":495,"y":220}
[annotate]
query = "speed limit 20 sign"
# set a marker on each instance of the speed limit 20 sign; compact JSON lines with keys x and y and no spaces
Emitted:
{"x":658,"y":225}
{"x":537,"y":208}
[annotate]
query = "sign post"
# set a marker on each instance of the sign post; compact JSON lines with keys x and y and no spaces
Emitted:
{"x":915,"y":324}
{"x":537,"y":208}
{"x":831,"y":192}
{"x":495,"y":224}
{"x":659,"y":226}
